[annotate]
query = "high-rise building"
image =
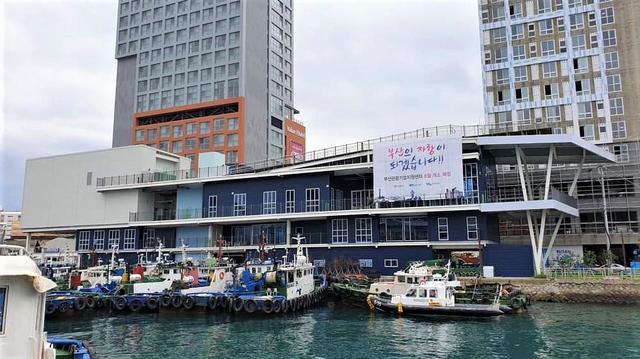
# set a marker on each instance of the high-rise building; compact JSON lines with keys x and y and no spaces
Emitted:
{"x":571,"y":66}
{"x":205,"y":75}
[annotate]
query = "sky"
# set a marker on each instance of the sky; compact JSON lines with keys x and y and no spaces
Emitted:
{"x":362,"y":69}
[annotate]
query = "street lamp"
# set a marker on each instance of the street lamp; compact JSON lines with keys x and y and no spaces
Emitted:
{"x":601,"y":170}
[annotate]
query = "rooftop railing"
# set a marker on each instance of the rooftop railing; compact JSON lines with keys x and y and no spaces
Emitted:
{"x":325,"y":153}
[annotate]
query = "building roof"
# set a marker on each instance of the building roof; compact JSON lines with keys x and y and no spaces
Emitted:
{"x":569,"y":149}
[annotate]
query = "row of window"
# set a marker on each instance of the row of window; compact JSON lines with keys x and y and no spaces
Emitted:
{"x":112,"y":240}
{"x":194,"y":94}
{"x":202,"y":143}
{"x":549,"y":26}
{"x":158,"y":14}
{"x":182,"y":63}
{"x":363,"y":262}
{"x":269,"y":202}
{"x":192,"y":128}
{"x":397,"y":229}
{"x":550,"y":47}
{"x":517,"y":9}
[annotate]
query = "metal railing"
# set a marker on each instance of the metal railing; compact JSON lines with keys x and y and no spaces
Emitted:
{"x":329,"y":152}
{"x":514,"y":194}
{"x":291,"y":208}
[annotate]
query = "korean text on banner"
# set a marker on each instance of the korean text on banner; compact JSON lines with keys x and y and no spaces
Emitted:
{"x":429,"y":168}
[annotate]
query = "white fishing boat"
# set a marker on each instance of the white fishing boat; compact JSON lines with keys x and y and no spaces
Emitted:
{"x":402,"y":280}
{"x":22,"y":309}
{"x":433,"y":297}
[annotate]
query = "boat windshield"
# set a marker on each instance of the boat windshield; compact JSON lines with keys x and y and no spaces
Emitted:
{"x":411,"y":292}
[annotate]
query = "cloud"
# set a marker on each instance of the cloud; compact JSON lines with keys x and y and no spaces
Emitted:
{"x":363,"y":69}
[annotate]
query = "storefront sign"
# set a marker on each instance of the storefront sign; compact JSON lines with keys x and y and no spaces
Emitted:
{"x":428,"y":168}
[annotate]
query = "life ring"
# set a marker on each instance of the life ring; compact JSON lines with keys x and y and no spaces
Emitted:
{"x":221,"y":275}
{"x":250,"y":306}
{"x":120,"y":303}
{"x":176,"y":301}
{"x":267,"y":306}
{"x":152,"y":303}
{"x":80,"y":303}
{"x":238,"y":304}
{"x":135,"y":305}
{"x":91,"y":302}
{"x":50,"y":308}
{"x":423,"y":282}
{"x":212,"y":303}
{"x":165,"y":300}
{"x":188,"y":303}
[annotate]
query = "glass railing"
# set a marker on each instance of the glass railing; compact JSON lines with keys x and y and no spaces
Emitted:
{"x":253,"y":167}
{"x":292,"y":208}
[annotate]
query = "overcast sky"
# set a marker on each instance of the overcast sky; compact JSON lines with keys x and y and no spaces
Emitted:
{"x":363,"y":69}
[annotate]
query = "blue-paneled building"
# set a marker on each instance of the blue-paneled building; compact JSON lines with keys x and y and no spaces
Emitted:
{"x":329,"y":199}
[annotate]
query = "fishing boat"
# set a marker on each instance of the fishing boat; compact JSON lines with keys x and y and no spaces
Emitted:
{"x":415,"y":273}
{"x":433,"y":297}
{"x":22,"y":311}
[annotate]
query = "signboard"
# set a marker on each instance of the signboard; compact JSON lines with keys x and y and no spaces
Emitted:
{"x":428,"y":168}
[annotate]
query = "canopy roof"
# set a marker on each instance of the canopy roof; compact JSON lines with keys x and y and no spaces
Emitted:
{"x":568,"y":149}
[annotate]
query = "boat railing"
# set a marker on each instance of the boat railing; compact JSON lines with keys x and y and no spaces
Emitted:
{"x":12,"y":250}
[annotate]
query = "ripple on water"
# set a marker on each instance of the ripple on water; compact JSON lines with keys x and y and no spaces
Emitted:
{"x":547,"y":331}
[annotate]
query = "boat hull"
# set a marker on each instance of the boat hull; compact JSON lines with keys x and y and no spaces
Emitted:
{"x":459,"y":310}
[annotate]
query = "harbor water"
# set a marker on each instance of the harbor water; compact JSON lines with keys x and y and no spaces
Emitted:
{"x":548,"y":330}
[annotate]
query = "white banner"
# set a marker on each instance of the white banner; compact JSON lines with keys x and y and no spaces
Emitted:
{"x":427,"y":168}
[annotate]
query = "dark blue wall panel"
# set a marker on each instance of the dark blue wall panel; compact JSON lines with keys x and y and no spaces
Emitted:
{"x":509,"y":261}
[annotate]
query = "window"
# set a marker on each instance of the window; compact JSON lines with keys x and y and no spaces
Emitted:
{"x":149,"y":238}
{"x":499,"y":35}
{"x":522,"y":94}
{"x":339,"y":231}
{"x":553,"y":113}
{"x":549,"y":69}
{"x":621,"y":152}
{"x":611,"y":60}
{"x":609,"y":38}
{"x":614,"y":83}
{"x":191,"y":128}
{"x":83,"y":240}
{"x":4,"y":297}
{"x":239,"y":204}
{"x":218,"y":124}
{"x":390,"y":263}
{"x":98,"y":240}
{"x":268,"y":202}
{"x":204,"y":128}
{"x":363,"y":230}
{"x":218,"y":140}
{"x":312,"y":199}
{"x":524,"y":116}
{"x":232,"y":140}
{"x":177,"y":131}
{"x":587,"y":132}
{"x":619,"y":129}
{"x":520,"y":73}
{"x":361,"y":198}
{"x":139,"y":135}
{"x":551,"y":91}
{"x":545,"y":27}
{"x":472,"y":228}
{"x":233,"y":124}
{"x":443,"y":229}
{"x":576,"y":21}
{"x":212,"y":210}
{"x":581,"y":65}
{"x":502,"y":76}
{"x":548,"y":48}
{"x":204,"y":143}
{"x":176,"y":146}
{"x":616,"y":106}
{"x":607,"y":16}
{"x":365,"y":263}
{"x":232,"y":157}
{"x":585,"y":110}
{"x":583,"y":87}
{"x":501,"y":55}
{"x":517,"y":32}
{"x":290,"y":201}
{"x":519,"y":53}
{"x":129,"y":239}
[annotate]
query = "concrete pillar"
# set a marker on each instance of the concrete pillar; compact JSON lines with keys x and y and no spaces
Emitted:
{"x":288,"y":233}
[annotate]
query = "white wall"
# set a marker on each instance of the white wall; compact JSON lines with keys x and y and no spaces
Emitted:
{"x":57,"y":196}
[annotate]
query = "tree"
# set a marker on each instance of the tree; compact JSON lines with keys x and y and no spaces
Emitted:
{"x":589,"y":259}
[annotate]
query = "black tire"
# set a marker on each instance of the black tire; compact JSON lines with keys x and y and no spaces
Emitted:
{"x":152,"y":303}
{"x":250,"y":306}
{"x":267,"y":306}
{"x":277,"y":306}
{"x":80,"y":303}
{"x":223,"y":302}
{"x":176,"y":301}
{"x":188,"y":303}
{"x":294,"y":305}
{"x":135,"y":305}
{"x":100,"y":303}
{"x":165,"y":300}
{"x":50,"y":308}
{"x":212,"y":303}
{"x":285,"y":306}
{"x":238,"y":304}
{"x":516,"y":303}
{"x":63,"y":307}
{"x":121,"y":291}
{"x":91,"y":302}
{"x":120,"y":303}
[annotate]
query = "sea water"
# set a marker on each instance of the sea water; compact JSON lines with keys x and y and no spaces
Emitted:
{"x":547,"y":330}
